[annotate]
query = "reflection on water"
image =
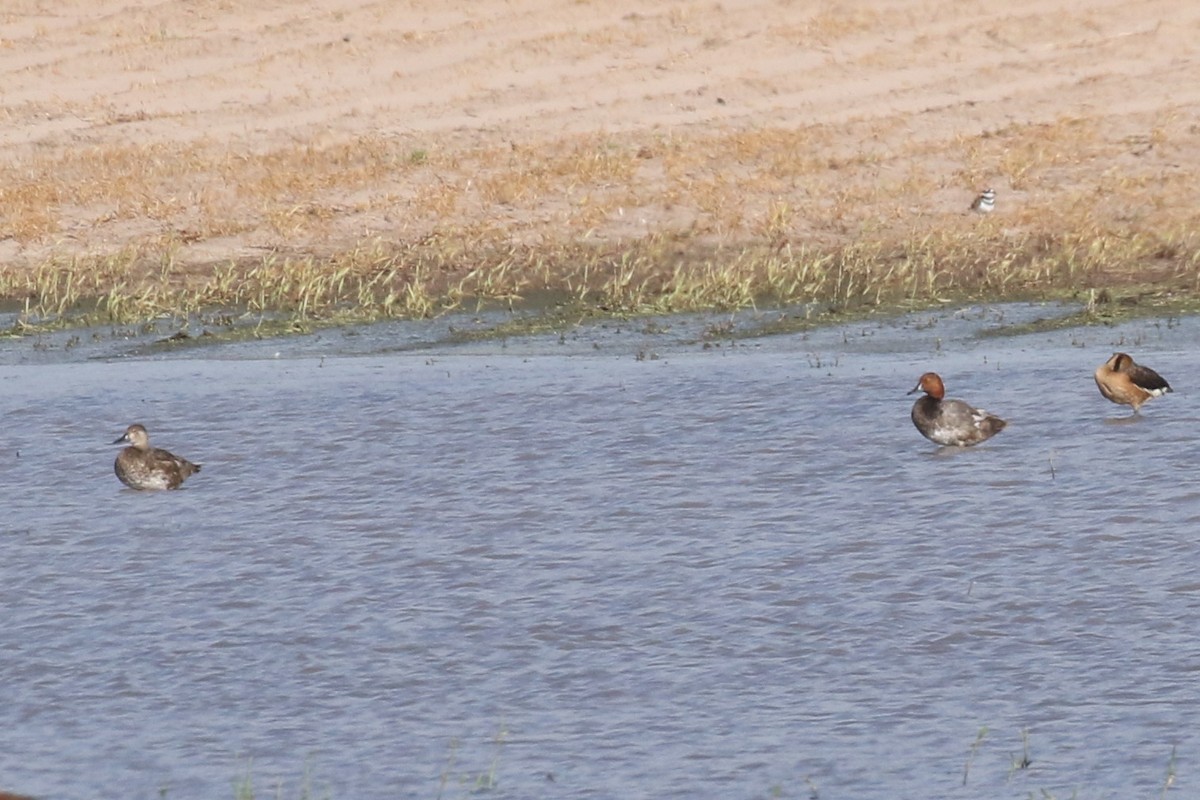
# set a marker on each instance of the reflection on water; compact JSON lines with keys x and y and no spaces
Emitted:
{"x":718,"y":572}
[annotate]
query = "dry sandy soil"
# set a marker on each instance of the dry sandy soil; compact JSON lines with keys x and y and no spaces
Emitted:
{"x":211,"y":132}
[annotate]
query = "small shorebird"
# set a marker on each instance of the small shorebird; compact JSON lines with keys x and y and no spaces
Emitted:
{"x":1128,"y":383}
{"x":985,"y":203}
{"x":950,"y":422}
{"x":141,"y":466}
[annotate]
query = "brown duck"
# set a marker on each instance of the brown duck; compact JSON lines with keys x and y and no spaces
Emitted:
{"x":141,"y":466}
{"x":1124,"y":381}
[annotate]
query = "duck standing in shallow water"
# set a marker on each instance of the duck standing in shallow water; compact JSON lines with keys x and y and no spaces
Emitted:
{"x":141,"y":466}
{"x":950,"y":422}
{"x":1124,"y":381}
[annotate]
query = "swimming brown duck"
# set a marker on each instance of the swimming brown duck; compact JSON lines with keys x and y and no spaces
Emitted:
{"x":1124,"y":381}
{"x":141,"y":466}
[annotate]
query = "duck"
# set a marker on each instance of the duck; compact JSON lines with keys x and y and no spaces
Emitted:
{"x":950,"y":422}
{"x":141,"y":466}
{"x":1128,"y":383}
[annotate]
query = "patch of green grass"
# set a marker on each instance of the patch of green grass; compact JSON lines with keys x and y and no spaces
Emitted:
{"x":1120,"y":275}
{"x":244,"y":788}
{"x":472,"y":781}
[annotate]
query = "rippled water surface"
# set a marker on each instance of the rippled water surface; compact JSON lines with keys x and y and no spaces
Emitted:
{"x":615,"y":564}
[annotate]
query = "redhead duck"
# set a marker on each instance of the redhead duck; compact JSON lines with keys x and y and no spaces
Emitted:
{"x":141,"y":466}
{"x":950,"y":422}
{"x":1124,"y":381}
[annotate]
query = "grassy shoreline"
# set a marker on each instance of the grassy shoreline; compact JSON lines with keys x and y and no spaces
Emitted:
{"x":1115,"y":272}
{"x":846,"y":217}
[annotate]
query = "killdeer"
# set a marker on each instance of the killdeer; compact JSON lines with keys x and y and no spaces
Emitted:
{"x":985,"y":203}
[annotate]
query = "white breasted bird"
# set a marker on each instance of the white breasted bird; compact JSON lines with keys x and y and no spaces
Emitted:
{"x":985,"y":203}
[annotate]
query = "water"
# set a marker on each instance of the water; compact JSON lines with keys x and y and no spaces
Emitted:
{"x":614,"y":565}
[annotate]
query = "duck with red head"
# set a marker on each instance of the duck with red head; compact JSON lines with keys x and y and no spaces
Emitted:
{"x":950,"y":422}
{"x":1125,"y":382}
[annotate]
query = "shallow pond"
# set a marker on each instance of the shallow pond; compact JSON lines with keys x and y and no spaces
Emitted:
{"x":623,"y":562}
